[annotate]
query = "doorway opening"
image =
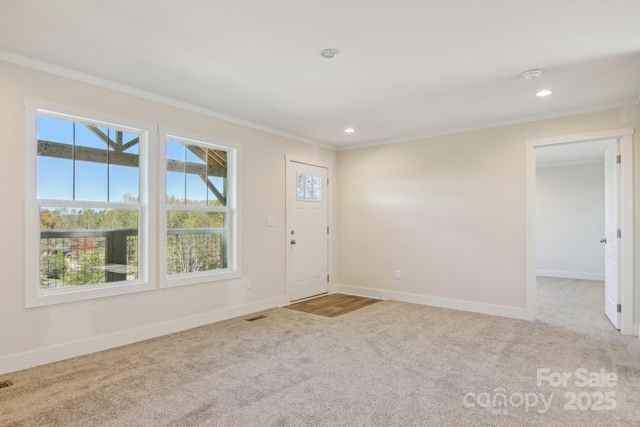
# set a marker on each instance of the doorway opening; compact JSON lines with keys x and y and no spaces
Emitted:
{"x":573,"y":249}
{"x":576,"y":219}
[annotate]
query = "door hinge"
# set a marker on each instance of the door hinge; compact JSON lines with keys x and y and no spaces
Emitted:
{"x":619,"y":308}
{"x":327,"y":180}
{"x":327,"y":229}
{"x":618,"y":160}
{"x":619,"y":234}
{"x":327,"y":278}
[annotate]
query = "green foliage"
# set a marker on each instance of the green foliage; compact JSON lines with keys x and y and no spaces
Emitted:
{"x":195,"y":219}
{"x":73,"y":261}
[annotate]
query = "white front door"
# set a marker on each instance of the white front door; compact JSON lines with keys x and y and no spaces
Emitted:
{"x":612,"y":264}
{"x":307,"y":230}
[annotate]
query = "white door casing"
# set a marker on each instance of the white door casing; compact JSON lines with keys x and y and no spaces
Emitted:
{"x":306,"y":229}
{"x":625,"y":244}
{"x":612,"y":263}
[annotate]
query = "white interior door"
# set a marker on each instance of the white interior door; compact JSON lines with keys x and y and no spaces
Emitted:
{"x":307,"y":230}
{"x":612,"y":252}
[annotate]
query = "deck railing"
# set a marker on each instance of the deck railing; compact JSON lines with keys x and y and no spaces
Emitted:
{"x":80,"y":257}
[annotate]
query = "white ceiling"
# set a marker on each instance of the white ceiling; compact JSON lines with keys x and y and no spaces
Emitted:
{"x":405,"y":69}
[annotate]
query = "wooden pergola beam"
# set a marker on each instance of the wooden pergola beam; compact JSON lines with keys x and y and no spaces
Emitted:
{"x":221,"y":198}
{"x":96,"y":155}
{"x":105,"y":138}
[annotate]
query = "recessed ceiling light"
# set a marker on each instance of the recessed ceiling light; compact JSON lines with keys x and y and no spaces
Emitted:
{"x":349,"y":130}
{"x":329,"y":53}
{"x":545,"y":92}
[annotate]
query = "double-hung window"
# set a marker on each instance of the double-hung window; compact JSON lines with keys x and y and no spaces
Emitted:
{"x":89,"y":212}
{"x":92,"y":208}
{"x":200,"y":210}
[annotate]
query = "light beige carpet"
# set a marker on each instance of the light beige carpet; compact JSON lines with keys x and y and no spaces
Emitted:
{"x":389,"y":364}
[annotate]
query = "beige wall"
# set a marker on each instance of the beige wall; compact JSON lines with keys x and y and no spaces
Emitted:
{"x":570,"y":221}
{"x":263,"y":249}
{"x":449,"y":212}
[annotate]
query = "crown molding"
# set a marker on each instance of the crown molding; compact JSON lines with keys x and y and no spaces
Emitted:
{"x":489,"y":125}
{"x":57,"y":70}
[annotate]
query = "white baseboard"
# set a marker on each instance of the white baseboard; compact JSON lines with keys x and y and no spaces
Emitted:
{"x":636,"y":329}
{"x":29,"y":359}
{"x":475,"y":307}
{"x":570,"y":275}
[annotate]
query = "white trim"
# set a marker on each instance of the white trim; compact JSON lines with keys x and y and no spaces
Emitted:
{"x":636,"y":328}
{"x":490,"y":125}
{"x":579,"y":137}
{"x":452,"y":304}
{"x":57,"y":70}
{"x":129,"y":90}
{"x":232,"y":210}
{"x":570,"y":275}
{"x":626,"y":225}
{"x":34,"y":296}
{"x":570,"y":163}
{"x":29,"y":359}
{"x":624,"y":135}
{"x":307,"y":161}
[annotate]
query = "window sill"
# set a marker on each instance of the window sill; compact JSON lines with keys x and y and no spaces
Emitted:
{"x":64,"y":295}
{"x":195,"y":278}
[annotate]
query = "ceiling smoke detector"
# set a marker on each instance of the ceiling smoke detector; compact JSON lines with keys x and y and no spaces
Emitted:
{"x":329,"y":53}
{"x":532,"y":74}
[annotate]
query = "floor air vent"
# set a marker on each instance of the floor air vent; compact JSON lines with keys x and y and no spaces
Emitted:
{"x":4,"y":384}
{"x":253,"y":319}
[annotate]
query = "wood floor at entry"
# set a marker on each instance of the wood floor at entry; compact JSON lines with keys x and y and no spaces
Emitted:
{"x":333,"y":305}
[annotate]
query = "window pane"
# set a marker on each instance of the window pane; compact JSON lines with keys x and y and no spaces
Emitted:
{"x":123,"y":184}
{"x":55,"y":130}
{"x":175,"y":173}
{"x":131,"y":143}
{"x":91,"y":179}
{"x":196,"y":154}
{"x":175,"y":188}
{"x":196,"y":176}
{"x":196,"y":171}
{"x":91,"y":136}
{"x":204,"y":173}
{"x":195,"y":219}
{"x":87,"y":246}
{"x":217,"y":192}
{"x":55,"y":178}
{"x":217,"y":176}
{"x":81,"y":161}
{"x":175,"y":151}
{"x":196,"y":241}
{"x":196,"y":190}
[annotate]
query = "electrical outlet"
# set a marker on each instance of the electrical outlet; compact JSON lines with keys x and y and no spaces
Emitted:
{"x":249,"y":283}
{"x":398,"y":275}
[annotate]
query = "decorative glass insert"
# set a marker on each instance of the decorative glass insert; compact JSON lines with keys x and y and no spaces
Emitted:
{"x":309,"y":187}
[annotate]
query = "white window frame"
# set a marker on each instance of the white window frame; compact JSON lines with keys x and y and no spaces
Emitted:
{"x":147,"y":241}
{"x":232,"y":210}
